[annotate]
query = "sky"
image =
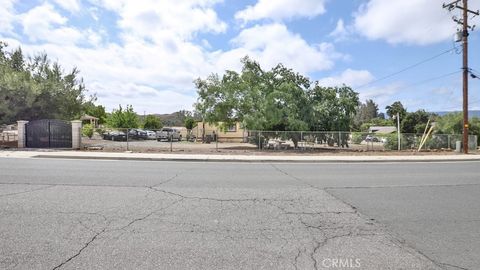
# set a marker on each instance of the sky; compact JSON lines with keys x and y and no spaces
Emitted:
{"x":147,"y":53}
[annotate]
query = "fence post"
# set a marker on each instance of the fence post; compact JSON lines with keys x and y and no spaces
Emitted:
{"x":171,"y":142}
{"x":21,"y":128}
{"x":216,"y":141}
{"x":127,"y":140}
{"x":339,"y":138}
{"x":448,"y":141}
{"x":76,"y":134}
{"x":259,"y":140}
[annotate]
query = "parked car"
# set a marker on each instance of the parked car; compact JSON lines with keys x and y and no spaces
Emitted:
{"x":151,"y":135}
{"x":167,"y":134}
{"x":137,"y":134}
{"x":371,"y":138}
{"x":115,"y":135}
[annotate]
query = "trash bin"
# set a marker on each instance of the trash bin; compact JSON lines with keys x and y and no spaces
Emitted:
{"x":208,"y":139}
{"x":458,"y":146}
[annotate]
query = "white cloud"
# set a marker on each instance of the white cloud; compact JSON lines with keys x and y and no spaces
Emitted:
{"x":419,"y":22}
{"x":349,"y":77}
{"x":69,"y":5}
{"x":44,"y":23}
{"x":154,"y":65}
{"x":281,"y":9}
{"x":7,"y":15}
{"x":156,"y":19}
{"x":273,"y":43}
{"x":383,"y":95}
{"x":341,"y":31}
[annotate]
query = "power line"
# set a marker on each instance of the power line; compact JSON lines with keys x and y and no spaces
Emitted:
{"x":407,"y":68}
{"x":432,"y":79}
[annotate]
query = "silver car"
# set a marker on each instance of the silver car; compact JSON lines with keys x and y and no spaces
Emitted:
{"x":167,"y":134}
{"x":151,"y":135}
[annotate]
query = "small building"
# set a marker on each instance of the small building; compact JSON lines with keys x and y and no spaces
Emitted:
{"x":382,"y":129}
{"x":88,"y":118}
{"x":234,"y":133}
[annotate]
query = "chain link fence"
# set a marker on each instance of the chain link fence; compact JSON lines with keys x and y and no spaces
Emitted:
{"x":309,"y":140}
{"x":162,"y":140}
{"x":182,"y":140}
{"x":9,"y":139}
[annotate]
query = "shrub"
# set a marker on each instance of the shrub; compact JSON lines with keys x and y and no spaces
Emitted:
{"x":406,"y":142}
{"x":357,"y":138}
{"x":87,"y":130}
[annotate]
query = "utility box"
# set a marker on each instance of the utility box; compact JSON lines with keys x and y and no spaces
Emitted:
{"x":458,"y":146}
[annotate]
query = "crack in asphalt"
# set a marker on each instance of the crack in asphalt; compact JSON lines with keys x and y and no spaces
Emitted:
{"x":81,"y":250}
{"x":27,"y":191}
{"x":255,"y":200}
{"x":454,"y":266}
{"x":168,"y":180}
{"x":298,"y":179}
{"x":104,"y":230}
{"x":295,"y":262}
{"x":148,"y":215}
{"x":320,"y":232}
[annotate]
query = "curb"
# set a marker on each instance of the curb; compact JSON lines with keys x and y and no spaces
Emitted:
{"x":254,"y":160}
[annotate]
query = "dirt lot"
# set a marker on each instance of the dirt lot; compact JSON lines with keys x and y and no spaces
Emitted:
{"x":152,"y":146}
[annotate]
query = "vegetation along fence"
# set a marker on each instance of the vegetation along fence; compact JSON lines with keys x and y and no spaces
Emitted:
{"x":222,"y":141}
{"x":304,"y":140}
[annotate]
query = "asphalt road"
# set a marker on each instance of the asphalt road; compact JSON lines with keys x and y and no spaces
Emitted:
{"x":82,"y":214}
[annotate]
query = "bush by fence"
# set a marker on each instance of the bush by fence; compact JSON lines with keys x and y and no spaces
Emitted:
{"x":130,"y":139}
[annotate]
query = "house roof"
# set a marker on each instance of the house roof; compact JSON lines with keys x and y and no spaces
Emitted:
{"x":382,"y":129}
{"x":88,"y":117}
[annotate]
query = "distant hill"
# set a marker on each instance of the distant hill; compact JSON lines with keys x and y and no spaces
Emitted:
{"x":472,"y":113}
{"x":176,"y":119}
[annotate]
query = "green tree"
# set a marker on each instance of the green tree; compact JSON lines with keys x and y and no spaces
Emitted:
{"x":396,"y":107}
{"x":97,"y":111}
{"x":123,"y":118}
{"x":452,"y":123}
{"x":365,"y":112}
{"x":17,"y":62}
{"x":35,"y":88}
{"x":152,"y":122}
{"x":278,"y":100}
{"x":189,"y":123}
{"x":415,"y":122}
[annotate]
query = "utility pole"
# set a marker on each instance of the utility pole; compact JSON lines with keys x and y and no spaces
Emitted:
{"x":398,"y":132}
{"x":464,"y":23}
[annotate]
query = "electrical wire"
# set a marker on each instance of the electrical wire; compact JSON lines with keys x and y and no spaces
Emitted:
{"x":431,"y":79}
{"x":407,"y":68}
{"x":474,"y":73}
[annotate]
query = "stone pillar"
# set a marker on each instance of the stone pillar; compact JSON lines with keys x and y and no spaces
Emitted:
{"x":22,"y":138}
{"x":76,"y":134}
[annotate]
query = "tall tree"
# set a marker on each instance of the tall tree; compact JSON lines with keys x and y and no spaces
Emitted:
{"x":396,"y":107}
{"x":365,"y":112}
{"x":36,"y":88}
{"x":279,"y":99}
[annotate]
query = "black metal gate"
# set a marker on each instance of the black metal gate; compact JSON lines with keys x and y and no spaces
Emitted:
{"x":48,"y":133}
